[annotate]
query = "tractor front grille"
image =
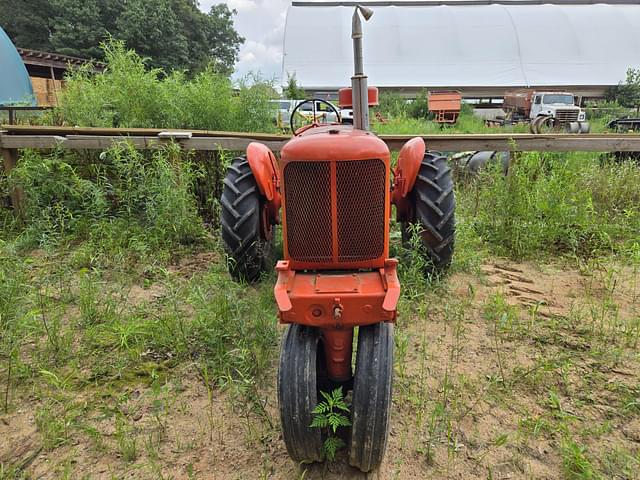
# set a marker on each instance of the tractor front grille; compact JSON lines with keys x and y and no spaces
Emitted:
{"x":566,"y":116}
{"x":360,"y":193}
{"x":307,"y":190}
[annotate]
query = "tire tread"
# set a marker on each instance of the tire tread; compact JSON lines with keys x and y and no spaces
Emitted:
{"x":434,"y":201}
{"x":240,"y":211}
{"x":372,"y":396}
{"x":297,"y":393}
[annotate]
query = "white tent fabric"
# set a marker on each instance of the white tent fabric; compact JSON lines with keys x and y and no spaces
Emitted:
{"x":495,"y":45}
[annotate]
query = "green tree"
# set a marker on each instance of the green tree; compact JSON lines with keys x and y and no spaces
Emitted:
{"x":292,"y":90}
{"x":628,"y":93}
{"x":173,"y":34}
{"x":76,"y":28}
{"x":223,"y":42}
{"x":152,"y":29}
{"x":393,"y":104}
{"x":419,"y":108}
{"x":27,"y":22}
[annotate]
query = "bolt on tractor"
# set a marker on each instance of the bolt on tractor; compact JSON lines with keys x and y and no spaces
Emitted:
{"x":332,"y":192}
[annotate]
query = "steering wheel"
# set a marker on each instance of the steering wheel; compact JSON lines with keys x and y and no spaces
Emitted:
{"x":314,"y":123}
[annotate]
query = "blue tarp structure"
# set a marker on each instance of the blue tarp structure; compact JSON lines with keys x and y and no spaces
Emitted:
{"x":15,"y":85}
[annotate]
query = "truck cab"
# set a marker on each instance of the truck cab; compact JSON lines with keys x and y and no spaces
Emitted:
{"x":558,"y":105}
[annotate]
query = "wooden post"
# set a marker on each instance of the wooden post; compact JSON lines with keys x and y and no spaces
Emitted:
{"x":10,"y":159}
{"x":53,"y":81}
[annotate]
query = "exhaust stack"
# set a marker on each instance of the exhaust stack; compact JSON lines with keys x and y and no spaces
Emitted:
{"x":359,"y":80}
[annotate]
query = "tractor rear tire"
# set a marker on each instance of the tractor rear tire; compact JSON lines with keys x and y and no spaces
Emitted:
{"x":434,"y":211}
{"x":241,"y":210}
{"x":298,"y":394}
{"x":371,"y":405}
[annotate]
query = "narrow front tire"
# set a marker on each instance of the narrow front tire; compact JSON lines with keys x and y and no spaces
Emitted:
{"x":297,"y":393}
{"x":372,"y":390}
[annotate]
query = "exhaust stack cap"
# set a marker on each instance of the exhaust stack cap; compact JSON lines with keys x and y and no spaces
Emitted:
{"x":367,"y":13}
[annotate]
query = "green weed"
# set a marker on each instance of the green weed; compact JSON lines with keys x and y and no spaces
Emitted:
{"x":126,"y":440}
{"x":329,"y":415}
{"x":54,"y":424}
{"x":131,"y":203}
{"x":553,"y":204}
{"x":575,"y":463}
{"x":129,"y":94}
{"x":13,"y":293}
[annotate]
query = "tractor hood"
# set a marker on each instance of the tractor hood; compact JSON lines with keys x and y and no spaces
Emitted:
{"x":334,"y":142}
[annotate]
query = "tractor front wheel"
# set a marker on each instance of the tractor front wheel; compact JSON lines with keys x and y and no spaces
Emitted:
{"x":434,"y":206}
{"x":242,"y":219}
{"x":298,"y":392}
{"x":371,"y":406}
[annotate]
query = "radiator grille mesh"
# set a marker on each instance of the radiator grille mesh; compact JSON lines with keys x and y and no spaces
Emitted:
{"x":308,"y":201}
{"x":361,"y":194}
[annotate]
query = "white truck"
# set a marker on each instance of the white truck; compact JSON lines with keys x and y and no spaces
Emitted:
{"x":545,"y":111}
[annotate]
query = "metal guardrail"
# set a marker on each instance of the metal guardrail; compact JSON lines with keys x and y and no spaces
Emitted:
{"x":13,"y":138}
{"x":16,"y":137}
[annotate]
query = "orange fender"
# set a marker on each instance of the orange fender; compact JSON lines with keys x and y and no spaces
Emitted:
{"x":263,"y":164}
{"x":405,"y":175}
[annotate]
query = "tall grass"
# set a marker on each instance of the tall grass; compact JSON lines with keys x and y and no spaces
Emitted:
{"x":555,"y":204}
{"x":127,"y":199}
{"x":129,"y":94}
{"x":467,"y":123}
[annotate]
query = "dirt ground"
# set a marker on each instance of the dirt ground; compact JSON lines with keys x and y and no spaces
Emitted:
{"x":518,"y":372}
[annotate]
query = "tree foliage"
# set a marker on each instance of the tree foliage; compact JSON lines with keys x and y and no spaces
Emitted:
{"x":393,"y":105}
{"x":628,"y":93}
{"x":292,"y":90}
{"x":129,"y":94}
{"x":173,"y":34}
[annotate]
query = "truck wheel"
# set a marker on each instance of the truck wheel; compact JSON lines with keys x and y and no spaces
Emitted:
{"x":542,"y":124}
{"x":371,"y":408}
{"x":572,"y":127}
{"x":297,"y":393}
{"x":241,"y":215}
{"x":532,"y":126}
{"x":585,"y":127}
{"x":434,"y":206}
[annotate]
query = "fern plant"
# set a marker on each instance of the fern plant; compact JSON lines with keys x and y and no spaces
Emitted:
{"x":329,"y":415}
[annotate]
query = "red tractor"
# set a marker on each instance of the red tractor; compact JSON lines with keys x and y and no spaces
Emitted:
{"x":332,"y":192}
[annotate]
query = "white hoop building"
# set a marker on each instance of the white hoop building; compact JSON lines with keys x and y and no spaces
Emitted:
{"x":478,"y":47}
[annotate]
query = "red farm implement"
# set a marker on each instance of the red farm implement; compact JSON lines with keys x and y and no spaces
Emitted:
{"x":445,"y":106}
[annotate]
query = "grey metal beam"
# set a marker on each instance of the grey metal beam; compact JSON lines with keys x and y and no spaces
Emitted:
{"x":458,"y":3}
{"x":451,"y":143}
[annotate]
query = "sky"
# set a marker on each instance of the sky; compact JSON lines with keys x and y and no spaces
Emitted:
{"x":261,"y":23}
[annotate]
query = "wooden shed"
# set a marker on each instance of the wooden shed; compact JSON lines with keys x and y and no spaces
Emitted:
{"x":47,"y":71}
